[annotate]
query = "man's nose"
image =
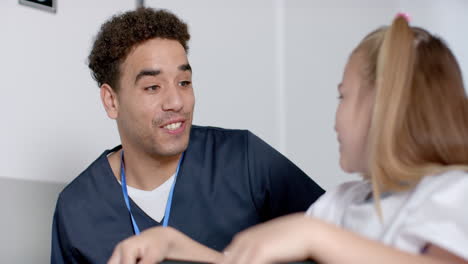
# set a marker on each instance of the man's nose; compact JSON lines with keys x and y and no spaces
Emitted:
{"x":173,"y":99}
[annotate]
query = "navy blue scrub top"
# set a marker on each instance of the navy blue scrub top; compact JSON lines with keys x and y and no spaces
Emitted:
{"x":229,"y":180}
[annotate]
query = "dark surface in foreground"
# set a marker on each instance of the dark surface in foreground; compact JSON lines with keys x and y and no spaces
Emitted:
{"x":190,"y":262}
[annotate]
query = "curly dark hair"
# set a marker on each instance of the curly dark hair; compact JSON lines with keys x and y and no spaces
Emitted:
{"x":122,"y":32}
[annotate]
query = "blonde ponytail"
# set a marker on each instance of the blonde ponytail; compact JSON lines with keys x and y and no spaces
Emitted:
{"x":420,"y":116}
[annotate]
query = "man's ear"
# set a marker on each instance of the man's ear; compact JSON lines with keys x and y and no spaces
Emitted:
{"x":109,"y":101}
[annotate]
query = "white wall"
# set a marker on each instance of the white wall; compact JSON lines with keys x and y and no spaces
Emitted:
{"x":52,"y":122}
{"x":271,"y":66}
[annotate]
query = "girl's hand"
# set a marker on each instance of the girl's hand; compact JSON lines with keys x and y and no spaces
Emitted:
{"x":284,"y":239}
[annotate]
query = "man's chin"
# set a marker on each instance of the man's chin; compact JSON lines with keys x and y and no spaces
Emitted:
{"x":172,"y":153}
{"x":167,"y":146}
{"x":169,"y":151}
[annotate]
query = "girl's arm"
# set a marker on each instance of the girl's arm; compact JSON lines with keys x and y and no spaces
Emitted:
{"x":299,"y":237}
{"x":341,"y":246}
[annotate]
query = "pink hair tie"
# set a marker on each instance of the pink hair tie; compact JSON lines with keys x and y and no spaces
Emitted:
{"x":406,"y":16}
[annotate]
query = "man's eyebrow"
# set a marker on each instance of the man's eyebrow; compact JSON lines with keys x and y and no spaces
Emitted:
{"x":185,"y":67}
{"x":146,"y":72}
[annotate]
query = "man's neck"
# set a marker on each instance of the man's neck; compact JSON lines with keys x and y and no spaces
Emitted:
{"x":143,"y":171}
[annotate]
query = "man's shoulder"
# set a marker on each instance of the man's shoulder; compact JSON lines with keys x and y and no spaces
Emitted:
{"x":83,"y":187}
{"x":217,"y":134}
{"x":218,"y":131}
{"x":237,"y":137}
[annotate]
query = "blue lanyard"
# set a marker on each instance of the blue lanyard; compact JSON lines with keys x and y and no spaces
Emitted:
{"x":167,"y":212}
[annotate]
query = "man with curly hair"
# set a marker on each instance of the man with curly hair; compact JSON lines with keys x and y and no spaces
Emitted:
{"x":209,"y":183}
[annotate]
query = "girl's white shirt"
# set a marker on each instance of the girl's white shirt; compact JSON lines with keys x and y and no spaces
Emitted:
{"x":435,"y":211}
